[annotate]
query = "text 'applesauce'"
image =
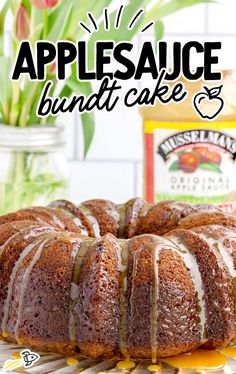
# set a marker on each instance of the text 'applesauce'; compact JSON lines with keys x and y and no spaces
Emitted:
{"x":188,"y":157}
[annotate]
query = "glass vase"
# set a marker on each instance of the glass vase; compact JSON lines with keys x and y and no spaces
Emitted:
{"x":33,"y":168}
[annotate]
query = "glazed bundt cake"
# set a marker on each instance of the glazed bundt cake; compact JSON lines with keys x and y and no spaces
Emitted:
{"x":108,"y":280}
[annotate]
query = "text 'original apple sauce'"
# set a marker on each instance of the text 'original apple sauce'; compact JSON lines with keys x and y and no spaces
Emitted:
{"x":188,"y":155}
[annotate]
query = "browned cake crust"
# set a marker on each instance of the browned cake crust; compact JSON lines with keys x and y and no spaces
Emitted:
{"x":41,"y":295}
{"x":131,"y":213}
{"x":178,"y":315}
{"x":139,"y":296}
{"x":80,"y":218}
{"x":105,"y":212}
{"x":160,"y":218}
{"x":98,"y":300}
{"x":157,"y":280}
{"x":44,"y":215}
{"x":14,"y":238}
{"x":223,"y":239}
{"x":165,"y":216}
{"x":208,"y":218}
{"x":217,"y":287}
{"x":144,"y":297}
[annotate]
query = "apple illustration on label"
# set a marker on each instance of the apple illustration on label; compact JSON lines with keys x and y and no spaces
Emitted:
{"x":208,"y":104}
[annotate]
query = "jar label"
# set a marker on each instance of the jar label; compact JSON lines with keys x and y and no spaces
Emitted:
{"x":192,"y":162}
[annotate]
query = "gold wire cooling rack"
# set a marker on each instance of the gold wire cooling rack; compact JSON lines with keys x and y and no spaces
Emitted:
{"x":57,"y":364}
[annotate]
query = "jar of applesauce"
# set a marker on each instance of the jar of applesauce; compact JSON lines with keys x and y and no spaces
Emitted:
{"x":189,"y":157}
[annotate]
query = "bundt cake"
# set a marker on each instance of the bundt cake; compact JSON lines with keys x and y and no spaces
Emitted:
{"x":108,"y":280}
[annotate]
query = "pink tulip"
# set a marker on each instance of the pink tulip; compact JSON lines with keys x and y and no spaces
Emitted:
{"x":53,"y":69}
{"x":44,"y":4}
{"x":22,"y":24}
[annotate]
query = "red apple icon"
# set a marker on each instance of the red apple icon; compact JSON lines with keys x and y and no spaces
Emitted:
{"x":188,"y":162}
{"x":208,"y":104}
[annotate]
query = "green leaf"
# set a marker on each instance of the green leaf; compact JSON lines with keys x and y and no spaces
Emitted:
{"x":88,"y":124}
{"x":54,"y":14}
{"x":3,"y":14}
{"x":124,"y":33}
{"x":174,"y":166}
{"x":165,"y":8}
{"x":33,"y":118}
{"x":80,"y":15}
{"x":36,"y":34}
{"x":2,"y":116}
{"x":79,"y":87}
{"x":58,"y":22}
{"x":5,"y":85}
{"x":87,"y":118}
{"x":27,"y":5}
{"x":211,"y":166}
{"x":68,"y":25}
{"x":65,"y":92}
{"x":37,"y":21}
{"x":159,"y":30}
{"x":4,"y":11}
{"x":113,"y":34}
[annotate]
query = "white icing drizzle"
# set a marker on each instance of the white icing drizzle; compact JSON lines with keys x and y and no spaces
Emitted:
{"x":177,"y":206}
{"x":48,"y":212}
{"x":122,"y":208}
{"x":7,"y":302}
{"x":144,"y":210}
{"x":25,"y":281}
{"x":79,"y":253}
{"x":67,"y":236}
{"x":156,"y":245}
{"x":93,"y":221}
{"x":33,"y":232}
{"x":57,"y":220}
{"x":75,"y":218}
{"x":134,"y":272}
{"x":2,"y":247}
{"x":122,"y":253}
{"x":213,"y":212}
{"x":40,"y":220}
{"x":155,"y":296}
{"x":193,"y":268}
{"x":113,"y":212}
{"x":70,"y":214}
{"x":218,"y":245}
{"x":79,"y":224}
{"x":122,"y":250}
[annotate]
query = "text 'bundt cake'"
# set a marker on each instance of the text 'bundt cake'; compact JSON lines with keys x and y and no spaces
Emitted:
{"x":107,"y":280}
